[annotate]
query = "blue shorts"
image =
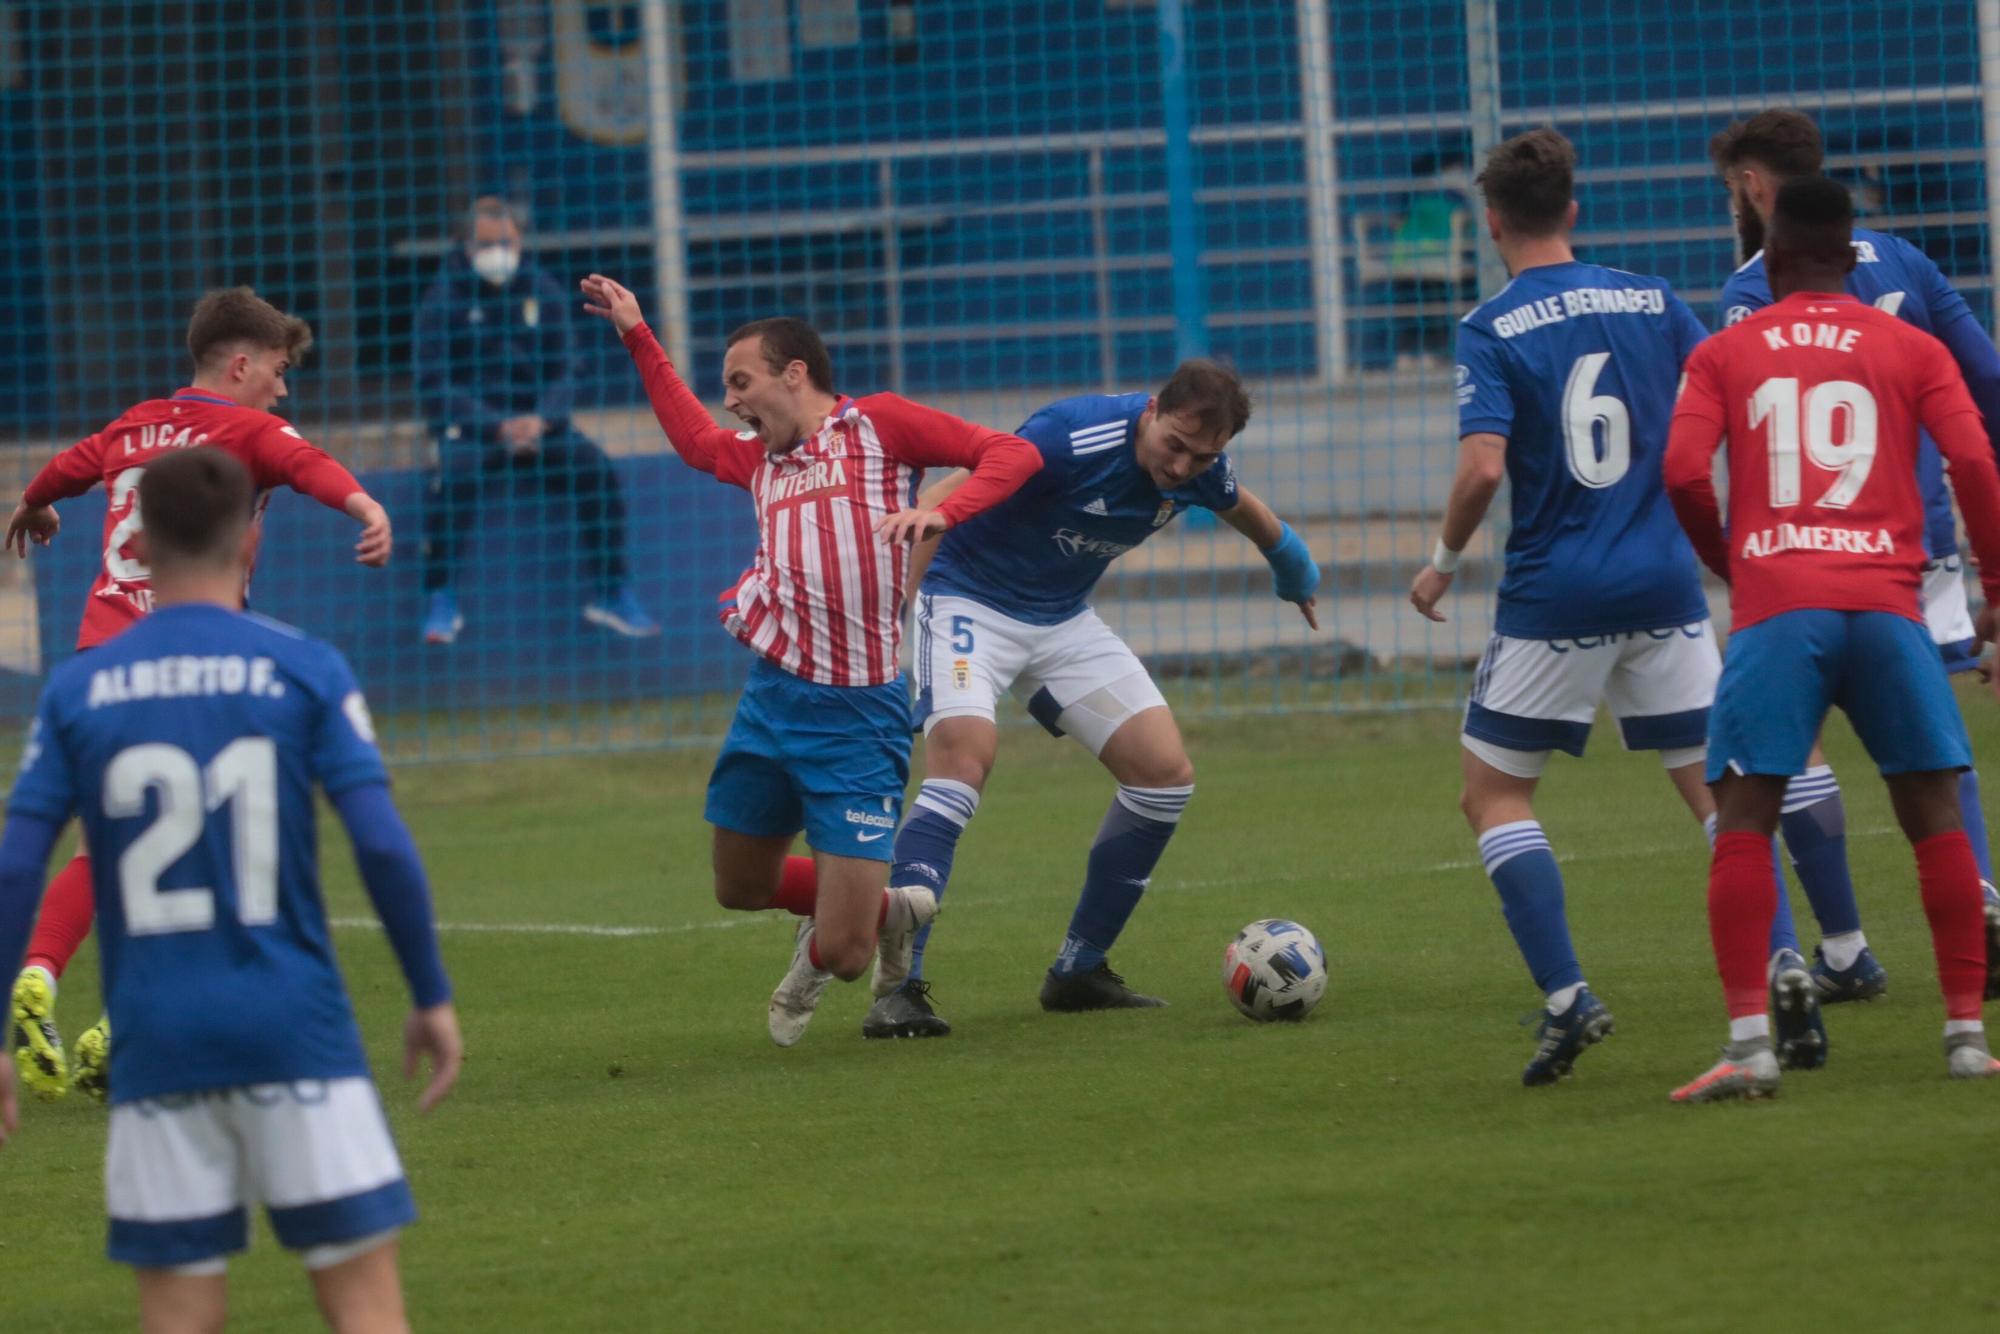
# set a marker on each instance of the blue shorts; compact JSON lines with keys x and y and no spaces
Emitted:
{"x":831,"y":760}
{"x":1780,"y":676}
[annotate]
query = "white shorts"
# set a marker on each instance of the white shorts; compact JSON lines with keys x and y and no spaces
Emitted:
{"x":1076,"y":677}
{"x":182,"y":1171}
{"x":1533,"y":696}
{"x":1948,"y":614}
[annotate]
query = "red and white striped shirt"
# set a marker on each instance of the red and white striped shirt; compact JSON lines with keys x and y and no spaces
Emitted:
{"x":824,"y":597}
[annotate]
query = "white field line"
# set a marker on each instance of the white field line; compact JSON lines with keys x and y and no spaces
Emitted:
{"x":560,"y":928}
{"x":734,"y":920}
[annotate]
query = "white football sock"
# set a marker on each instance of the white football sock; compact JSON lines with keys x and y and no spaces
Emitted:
{"x":1750,"y":1026}
{"x":1842,"y":950}
{"x":1563,"y":997}
{"x":1953,"y":1027}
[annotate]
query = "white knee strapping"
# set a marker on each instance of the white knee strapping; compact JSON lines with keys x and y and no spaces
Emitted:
{"x":1516,"y":763}
{"x":1093,"y":719}
{"x":340,"y":1252}
{"x":1683,"y":756}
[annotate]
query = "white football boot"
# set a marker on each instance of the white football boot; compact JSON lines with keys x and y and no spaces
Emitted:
{"x":797,"y":996}
{"x":1748,"y":1069}
{"x":1967,"y":1056}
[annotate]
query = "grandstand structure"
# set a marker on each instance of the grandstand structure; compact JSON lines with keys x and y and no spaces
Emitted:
{"x":985,"y":204}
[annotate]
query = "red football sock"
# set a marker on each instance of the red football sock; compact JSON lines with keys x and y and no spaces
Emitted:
{"x":1742,"y":900}
{"x":798,"y":887}
{"x":1949,"y":878}
{"x":65,"y":918}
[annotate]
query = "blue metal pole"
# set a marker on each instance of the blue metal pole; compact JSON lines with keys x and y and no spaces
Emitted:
{"x":1190,"y":320}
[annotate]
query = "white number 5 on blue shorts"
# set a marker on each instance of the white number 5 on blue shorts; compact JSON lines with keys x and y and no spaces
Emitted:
{"x":182,"y":1171}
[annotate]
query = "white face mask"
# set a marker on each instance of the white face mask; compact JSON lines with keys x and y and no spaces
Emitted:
{"x":497,"y":264}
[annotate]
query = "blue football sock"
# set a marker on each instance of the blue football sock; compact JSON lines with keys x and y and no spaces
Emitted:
{"x":926,"y":843}
{"x":1815,"y":828}
{"x":1129,"y":843}
{"x":1523,"y":868}
{"x":1784,"y":933}
{"x":1973,"y":816}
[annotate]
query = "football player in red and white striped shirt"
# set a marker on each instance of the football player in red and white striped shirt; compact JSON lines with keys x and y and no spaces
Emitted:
{"x":242,"y":346}
{"x":821,"y":740}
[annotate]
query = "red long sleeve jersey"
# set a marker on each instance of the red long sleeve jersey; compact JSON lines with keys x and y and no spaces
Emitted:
{"x":1820,"y":398}
{"x":275,"y":454}
{"x":824,"y":597}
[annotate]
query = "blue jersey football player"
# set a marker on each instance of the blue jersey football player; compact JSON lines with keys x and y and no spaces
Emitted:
{"x":1004,"y":605}
{"x":190,"y":746}
{"x":1566,"y":382}
{"x":1755,"y":157}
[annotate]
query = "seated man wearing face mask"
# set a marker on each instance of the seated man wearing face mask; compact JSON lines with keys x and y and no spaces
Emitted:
{"x":496,"y":369}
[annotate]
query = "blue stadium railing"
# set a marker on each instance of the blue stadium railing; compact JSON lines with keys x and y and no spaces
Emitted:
{"x":971,"y":201}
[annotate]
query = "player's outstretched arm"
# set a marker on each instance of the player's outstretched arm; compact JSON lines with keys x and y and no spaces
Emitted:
{"x":282,"y":457}
{"x":1482,"y":466}
{"x":372,"y":548}
{"x":701,"y":444}
{"x":25,"y":844}
{"x":393,"y":875}
{"x":71,"y":472}
{"x":928,"y":438}
{"x":1294,"y":572}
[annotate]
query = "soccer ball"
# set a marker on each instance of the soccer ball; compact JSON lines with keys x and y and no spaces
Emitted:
{"x":1274,"y":969}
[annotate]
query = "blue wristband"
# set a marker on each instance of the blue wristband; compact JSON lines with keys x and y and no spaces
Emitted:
{"x":1294,"y":573}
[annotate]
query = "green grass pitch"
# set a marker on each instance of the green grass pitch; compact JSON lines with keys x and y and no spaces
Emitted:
{"x":627,"y":1150}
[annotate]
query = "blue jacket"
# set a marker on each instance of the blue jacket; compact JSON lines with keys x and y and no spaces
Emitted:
{"x":486,"y":353}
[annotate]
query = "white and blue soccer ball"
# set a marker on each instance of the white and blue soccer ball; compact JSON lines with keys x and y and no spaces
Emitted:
{"x":1273,"y":970}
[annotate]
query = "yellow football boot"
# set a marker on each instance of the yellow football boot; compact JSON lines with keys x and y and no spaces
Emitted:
{"x":38,"y":1049}
{"x":93,"y":1060}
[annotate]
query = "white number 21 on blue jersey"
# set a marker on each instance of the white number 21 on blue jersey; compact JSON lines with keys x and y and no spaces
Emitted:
{"x":243,"y":776}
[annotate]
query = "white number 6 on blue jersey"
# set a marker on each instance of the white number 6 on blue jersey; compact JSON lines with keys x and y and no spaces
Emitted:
{"x":1584,"y":411}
